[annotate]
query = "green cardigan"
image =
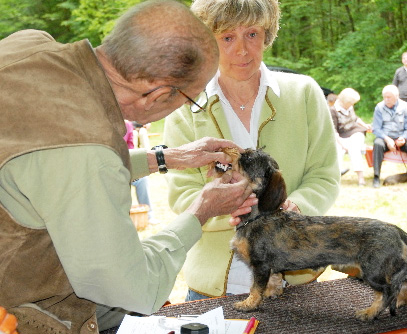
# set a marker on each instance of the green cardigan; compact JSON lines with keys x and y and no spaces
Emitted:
{"x":300,"y":137}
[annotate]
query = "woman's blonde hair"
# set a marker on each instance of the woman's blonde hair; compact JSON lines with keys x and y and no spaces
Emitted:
{"x":222,"y":15}
{"x":349,"y":95}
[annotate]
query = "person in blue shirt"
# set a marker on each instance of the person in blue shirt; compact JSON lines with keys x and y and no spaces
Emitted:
{"x":389,"y":127}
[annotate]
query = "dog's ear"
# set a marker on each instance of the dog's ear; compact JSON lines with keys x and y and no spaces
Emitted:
{"x":274,"y":194}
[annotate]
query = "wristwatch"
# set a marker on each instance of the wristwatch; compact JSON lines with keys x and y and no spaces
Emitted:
{"x":159,"y":155}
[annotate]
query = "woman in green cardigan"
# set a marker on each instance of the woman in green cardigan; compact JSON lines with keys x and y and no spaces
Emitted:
{"x":286,"y":114}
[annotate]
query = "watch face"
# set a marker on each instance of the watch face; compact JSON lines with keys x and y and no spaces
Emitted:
{"x":163,"y":170}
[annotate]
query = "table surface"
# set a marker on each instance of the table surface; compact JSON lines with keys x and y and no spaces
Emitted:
{"x":325,"y":307}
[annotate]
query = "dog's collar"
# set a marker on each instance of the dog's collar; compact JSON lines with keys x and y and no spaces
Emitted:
{"x":251,"y":220}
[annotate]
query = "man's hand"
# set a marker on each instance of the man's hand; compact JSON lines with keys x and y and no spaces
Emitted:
{"x":400,"y":141}
{"x":221,"y":197}
{"x":199,"y":153}
{"x":246,"y":207}
{"x":391,"y":145}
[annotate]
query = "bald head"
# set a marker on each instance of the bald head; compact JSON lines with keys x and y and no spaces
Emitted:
{"x":160,"y":40}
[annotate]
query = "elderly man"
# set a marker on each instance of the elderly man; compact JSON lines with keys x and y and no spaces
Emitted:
{"x":389,"y":127}
{"x":68,"y":249}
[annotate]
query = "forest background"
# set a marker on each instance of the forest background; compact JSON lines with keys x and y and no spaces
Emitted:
{"x":340,"y":43}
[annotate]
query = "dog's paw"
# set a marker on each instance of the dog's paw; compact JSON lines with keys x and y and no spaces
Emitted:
{"x":251,"y":303}
{"x":244,"y":306}
{"x":274,"y":293}
{"x":366,"y":314}
{"x":274,"y":286}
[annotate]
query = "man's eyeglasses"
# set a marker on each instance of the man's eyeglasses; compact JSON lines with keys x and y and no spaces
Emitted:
{"x":193,"y":106}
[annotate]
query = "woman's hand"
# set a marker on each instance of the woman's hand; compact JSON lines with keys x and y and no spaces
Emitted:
{"x":246,"y":207}
{"x":290,"y":206}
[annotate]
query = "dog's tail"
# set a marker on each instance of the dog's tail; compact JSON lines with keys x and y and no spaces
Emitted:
{"x":394,"y":289}
{"x":403,"y":234}
{"x":398,"y":279}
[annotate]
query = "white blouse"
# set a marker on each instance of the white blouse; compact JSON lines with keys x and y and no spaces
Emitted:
{"x":240,"y":276}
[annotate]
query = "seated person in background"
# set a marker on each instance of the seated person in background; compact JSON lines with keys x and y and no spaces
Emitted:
{"x":140,"y":135}
{"x":350,"y":131}
{"x":140,"y":140}
{"x":128,"y":137}
{"x":330,"y":99}
{"x":389,"y":127}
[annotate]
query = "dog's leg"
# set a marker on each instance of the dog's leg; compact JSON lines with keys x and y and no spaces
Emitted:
{"x":353,"y":270}
{"x":402,"y":296}
{"x":373,"y":310}
{"x":274,"y":286}
{"x":385,"y":298}
{"x":261,"y":278}
{"x":398,"y":284}
{"x":250,"y":303}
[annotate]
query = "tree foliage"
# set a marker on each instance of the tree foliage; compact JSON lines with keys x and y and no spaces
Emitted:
{"x":48,"y":15}
{"x":341,"y":43}
{"x":94,"y":19}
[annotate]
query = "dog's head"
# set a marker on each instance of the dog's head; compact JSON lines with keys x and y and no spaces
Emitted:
{"x":263,"y":173}
{"x":266,"y":179}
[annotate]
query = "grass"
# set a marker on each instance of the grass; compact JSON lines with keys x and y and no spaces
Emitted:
{"x":385,"y":203}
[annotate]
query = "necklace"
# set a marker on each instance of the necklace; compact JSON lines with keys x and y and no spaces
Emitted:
{"x":243,"y":105}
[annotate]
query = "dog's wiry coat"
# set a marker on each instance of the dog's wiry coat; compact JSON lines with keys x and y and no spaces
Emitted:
{"x":394,"y":179}
{"x":273,"y":241}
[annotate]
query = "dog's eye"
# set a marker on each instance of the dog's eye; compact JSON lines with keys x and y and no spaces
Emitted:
{"x":222,"y":168}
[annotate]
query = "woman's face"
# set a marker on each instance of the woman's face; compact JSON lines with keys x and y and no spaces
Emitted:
{"x":241,"y":52}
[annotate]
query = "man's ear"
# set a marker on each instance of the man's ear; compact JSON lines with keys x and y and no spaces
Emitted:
{"x":158,"y":95}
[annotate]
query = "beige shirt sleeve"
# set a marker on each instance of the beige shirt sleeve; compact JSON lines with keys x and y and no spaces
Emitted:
{"x":81,"y":195}
{"x":139,"y":163}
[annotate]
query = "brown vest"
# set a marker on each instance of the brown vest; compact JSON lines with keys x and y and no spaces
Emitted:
{"x":51,"y":95}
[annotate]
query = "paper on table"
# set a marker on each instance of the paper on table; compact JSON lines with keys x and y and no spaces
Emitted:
{"x":214,"y":319}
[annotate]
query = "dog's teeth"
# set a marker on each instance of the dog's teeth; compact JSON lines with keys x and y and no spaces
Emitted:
{"x":223,"y":167}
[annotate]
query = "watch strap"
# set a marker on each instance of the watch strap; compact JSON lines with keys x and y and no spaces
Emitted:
{"x":159,"y":155}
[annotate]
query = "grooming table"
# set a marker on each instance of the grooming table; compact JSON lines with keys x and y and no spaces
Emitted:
{"x":325,"y":307}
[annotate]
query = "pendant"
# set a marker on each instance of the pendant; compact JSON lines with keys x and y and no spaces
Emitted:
{"x":242,"y":107}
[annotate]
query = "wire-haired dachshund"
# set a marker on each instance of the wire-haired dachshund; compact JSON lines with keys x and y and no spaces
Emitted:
{"x":272,"y":241}
{"x":394,"y":179}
